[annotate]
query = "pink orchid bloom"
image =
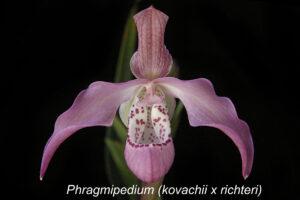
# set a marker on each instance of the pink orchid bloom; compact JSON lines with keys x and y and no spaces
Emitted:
{"x":146,"y":106}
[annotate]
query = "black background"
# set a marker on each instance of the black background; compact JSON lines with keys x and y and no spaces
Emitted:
{"x":54,"y":49}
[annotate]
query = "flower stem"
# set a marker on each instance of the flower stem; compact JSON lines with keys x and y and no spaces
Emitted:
{"x":155,"y":186}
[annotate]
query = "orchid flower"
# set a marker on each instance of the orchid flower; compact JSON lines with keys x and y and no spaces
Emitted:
{"x":146,"y":106}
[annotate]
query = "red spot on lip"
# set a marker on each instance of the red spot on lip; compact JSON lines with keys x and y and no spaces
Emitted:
{"x":162,"y":110}
{"x":137,"y":111}
{"x":137,"y":121}
{"x":157,"y":120}
{"x":165,"y":120}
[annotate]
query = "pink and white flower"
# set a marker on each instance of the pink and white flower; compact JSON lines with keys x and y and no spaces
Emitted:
{"x":146,"y":106}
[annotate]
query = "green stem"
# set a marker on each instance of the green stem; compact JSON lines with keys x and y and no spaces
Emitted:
{"x":155,"y":186}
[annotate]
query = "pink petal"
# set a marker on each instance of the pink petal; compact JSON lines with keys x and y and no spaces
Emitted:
{"x":95,"y":106}
{"x":204,"y":108}
{"x":149,"y":150}
{"x":152,"y":59}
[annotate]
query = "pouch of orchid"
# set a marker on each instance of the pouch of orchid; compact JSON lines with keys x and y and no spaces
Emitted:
{"x":146,"y":106}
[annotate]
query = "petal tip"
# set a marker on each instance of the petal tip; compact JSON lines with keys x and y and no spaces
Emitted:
{"x":42,"y":172}
{"x":41,"y":176}
{"x":151,"y":9}
{"x":246,"y":175}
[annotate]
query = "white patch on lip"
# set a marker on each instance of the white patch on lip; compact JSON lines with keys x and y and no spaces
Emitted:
{"x":149,"y":125}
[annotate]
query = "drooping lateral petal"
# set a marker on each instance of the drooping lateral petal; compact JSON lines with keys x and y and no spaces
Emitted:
{"x":149,"y":150}
{"x":152,"y":59}
{"x":205,"y":108}
{"x":95,"y":106}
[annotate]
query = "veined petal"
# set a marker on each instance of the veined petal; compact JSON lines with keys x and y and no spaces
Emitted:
{"x":152,"y":59}
{"x":95,"y":106}
{"x":204,"y":108}
{"x":149,"y":150}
